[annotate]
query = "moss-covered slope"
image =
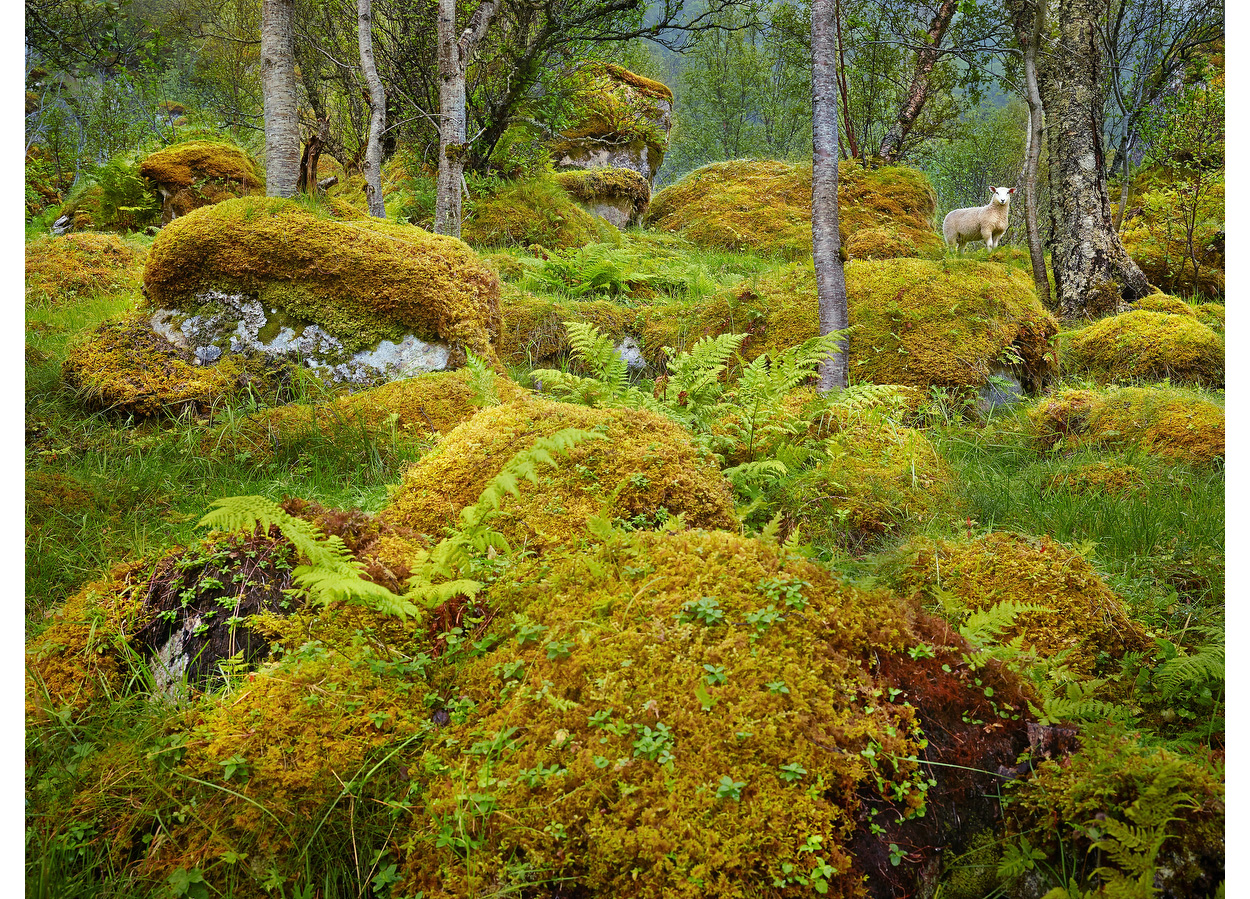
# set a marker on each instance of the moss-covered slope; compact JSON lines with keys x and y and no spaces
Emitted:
{"x":645,"y":470}
{"x":765,"y":206}
{"x":73,"y":265}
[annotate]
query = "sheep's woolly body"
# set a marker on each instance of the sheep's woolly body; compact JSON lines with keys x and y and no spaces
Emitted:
{"x":985,"y":223}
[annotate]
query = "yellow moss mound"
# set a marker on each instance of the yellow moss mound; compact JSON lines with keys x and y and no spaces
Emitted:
{"x":1177,"y":425}
{"x":73,"y":265}
{"x":358,"y":280}
{"x":1147,"y":345}
{"x":1161,"y":302}
{"x":534,"y":212}
{"x":688,"y":715}
{"x":1108,"y":478}
{"x":125,"y":366}
{"x":1082,"y":621}
{"x":409,"y":412}
{"x":1211,"y":315}
{"x":198,"y":162}
{"x":533,"y":327}
{"x":598,"y":184}
{"x":646,"y":469}
{"x":765,"y":206}
{"x":612,"y":102}
{"x":881,"y":479}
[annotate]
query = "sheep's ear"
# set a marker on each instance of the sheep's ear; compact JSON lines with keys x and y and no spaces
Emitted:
{"x":992,"y":189}
{"x":1011,"y":190}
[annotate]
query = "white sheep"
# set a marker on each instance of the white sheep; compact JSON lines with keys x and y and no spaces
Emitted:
{"x":985,"y":223}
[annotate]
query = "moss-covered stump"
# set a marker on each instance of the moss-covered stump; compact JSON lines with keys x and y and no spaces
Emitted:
{"x":1147,"y":344}
{"x":880,"y":480}
{"x":1175,"y":424}
{"x":1082,"y":623}
{"x":533,"y":212}
{"x":199,"y":173}
{"x":618,"y":195}
{"x":402,"y":415}
{"x":697,"y":714}
{"x":359,"y":301}
{"x":1155,"y":817}
{"x":765,"y":206}
{"x":644,"y":471}
{"x":75,"y":265}
{"x":622,"y":121}
{"x":126,"y":367}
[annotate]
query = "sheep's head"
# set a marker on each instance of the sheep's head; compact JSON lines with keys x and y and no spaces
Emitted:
{"x":1002,"y":195}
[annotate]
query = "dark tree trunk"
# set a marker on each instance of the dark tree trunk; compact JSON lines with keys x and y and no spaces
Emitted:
{"x":277,"y":72}
{"x":1093,"y":273}
{"x":826,"y":244}
{"x":377,"y":112}
{"x":312,"y":156}
{"x":918,"y":92}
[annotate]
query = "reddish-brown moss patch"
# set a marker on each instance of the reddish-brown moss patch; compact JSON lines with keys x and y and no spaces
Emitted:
{"x":646,"y":468}
{"x":74,"y":265}
{"x":1147,"y":345}
{"x":1171,"y":423}
{"x":345,"y":276}
{"x":1083,"y":621}
{"x":766,"y":206}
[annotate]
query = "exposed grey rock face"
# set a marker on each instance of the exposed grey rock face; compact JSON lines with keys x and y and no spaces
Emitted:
{"x":619,"y":212}
{"x":630,"y":352}
{"x":1002,"y":389}
{"x":242,"y":324}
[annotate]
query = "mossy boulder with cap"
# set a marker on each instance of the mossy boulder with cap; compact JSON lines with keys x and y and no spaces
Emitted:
{"x":1147,"y":344}
{"x":645,"y":470}
{"x":199,"y":173}
{"x":1177,"y":424}
{"x":618,"y":195}
{"x":358,"y":300}
{"x":622,"y":121}
{"x":537,"y":211}
{"x":765,"y":206}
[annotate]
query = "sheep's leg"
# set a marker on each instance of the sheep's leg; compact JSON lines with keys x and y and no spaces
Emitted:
{"x":988,"y":237}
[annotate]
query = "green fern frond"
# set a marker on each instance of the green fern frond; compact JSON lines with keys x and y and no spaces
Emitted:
{"x":984,"y":625}
{"x":481,"y":381}
{"x":694,"y":375}
{"x":1207,"y":664}
{"x":598,"y":353}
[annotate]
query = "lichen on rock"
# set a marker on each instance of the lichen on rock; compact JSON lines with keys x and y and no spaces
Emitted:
{"x":644,"y":472}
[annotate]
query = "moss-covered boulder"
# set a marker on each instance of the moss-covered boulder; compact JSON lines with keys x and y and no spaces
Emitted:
{"x":124,"y":366}
{"x":698,"y":714}
{"x":1081,"y":621}
{"x":622,"y":121}
{"x":357,"y":300}
{"x":765,"y":206}
{"x":75,"y":265}
{"x":618,"y":195}
{"x":405,"y":415}
{"x":199,"y":173}
{"x":1175,"y":424}
{"x":880,"y":480}
{"x":1152,"y":817}
{"x":1147,"y":345}
{"x":644,"y":471}
{"x":539,"y":212}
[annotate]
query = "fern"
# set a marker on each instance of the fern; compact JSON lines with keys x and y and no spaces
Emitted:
{"x":1188,"y":671}
{"x":983,"y":626}
{"x":481,"y":382}
{"x":598,"y":353}
{"x":332,"y":574}
{"x":694,"y":377}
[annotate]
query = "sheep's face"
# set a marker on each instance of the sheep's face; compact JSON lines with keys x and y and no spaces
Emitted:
{"x":1002,"y":195}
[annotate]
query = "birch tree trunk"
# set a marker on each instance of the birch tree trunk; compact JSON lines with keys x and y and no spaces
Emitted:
{"x":277,"y":73}
{"x":918,"y":92}
{"x":1093,"y":273}
{"x":1033,"y":154}
{"x":826,"y":243}
{"x":377,"y":112}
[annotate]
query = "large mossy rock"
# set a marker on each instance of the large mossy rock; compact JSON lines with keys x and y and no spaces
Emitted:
{"x":1175,"y":424}
{"x":618,"y":195}
{"x":698,"y":714}
{"x":1081,"y":621}
{"x":537,"y":212}
{"x":644,"y":471}
{"x":765,"y":206}
{"x":1149,"y":344}
{"x":359,"y":300}
{"x":199,"y":173}
{"x":622,"y":121}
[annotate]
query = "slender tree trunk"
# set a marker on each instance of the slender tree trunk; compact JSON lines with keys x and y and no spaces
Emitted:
{"x":826,"y":243}
{"x":840,"y":80}
{"x":918,"y":92}
{"x":377,"y":112}
{"x":1033,"y":154}
{"x":277,"y":73}
{"x":1093,"y":273}
{"x":1126,"y":147}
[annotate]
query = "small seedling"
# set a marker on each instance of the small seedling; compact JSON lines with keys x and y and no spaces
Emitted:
{"x":792,"y":772}
{"x":730,"y":788}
